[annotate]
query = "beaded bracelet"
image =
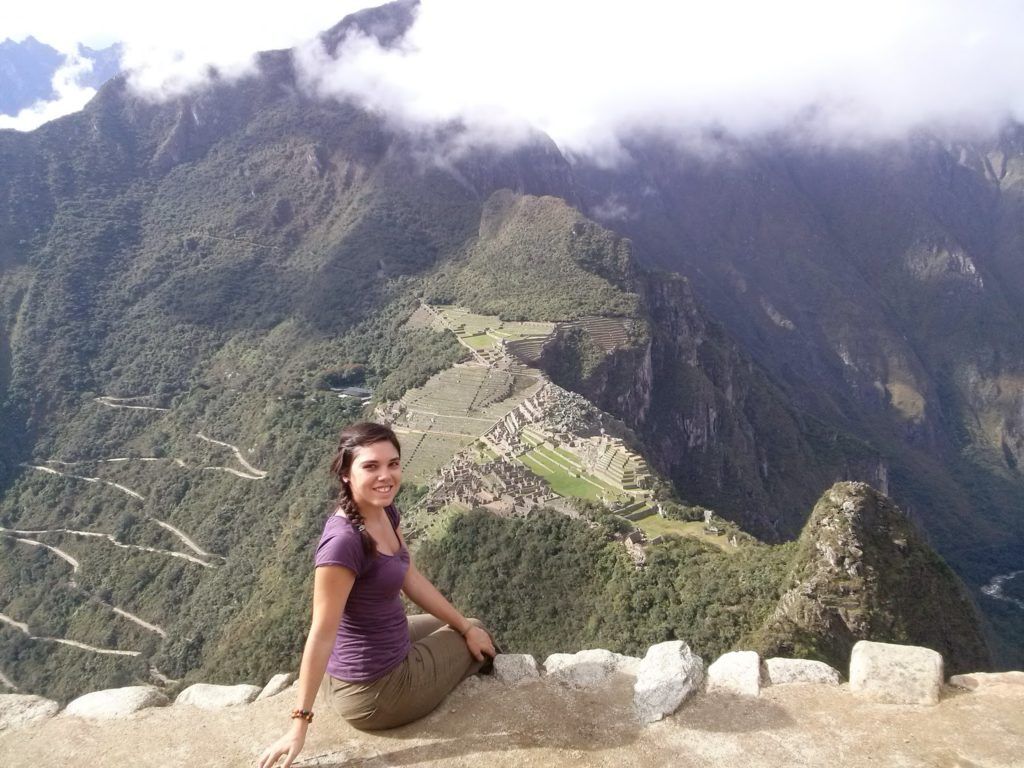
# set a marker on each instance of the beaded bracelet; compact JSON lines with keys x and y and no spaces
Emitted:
{"x":303,"y":714}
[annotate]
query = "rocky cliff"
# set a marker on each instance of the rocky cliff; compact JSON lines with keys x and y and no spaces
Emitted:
{"x":861,"y":570}
{"x":709,"y":416}
{"x":586,"y":720}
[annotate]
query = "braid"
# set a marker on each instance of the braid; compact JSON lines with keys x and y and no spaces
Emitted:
{"x":348,"y":506}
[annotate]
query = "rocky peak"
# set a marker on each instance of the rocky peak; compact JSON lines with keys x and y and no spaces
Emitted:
{"x":862,"y":571}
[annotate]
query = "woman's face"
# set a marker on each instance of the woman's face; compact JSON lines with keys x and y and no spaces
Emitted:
{"x":375,"y":475}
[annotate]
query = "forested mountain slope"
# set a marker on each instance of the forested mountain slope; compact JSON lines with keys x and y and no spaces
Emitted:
{"x":880,"y":288}
{"x":181,"y":284}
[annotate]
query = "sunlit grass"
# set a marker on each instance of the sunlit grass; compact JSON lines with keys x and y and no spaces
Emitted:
{"x":655,"y":525}
{"x":560,"y":480}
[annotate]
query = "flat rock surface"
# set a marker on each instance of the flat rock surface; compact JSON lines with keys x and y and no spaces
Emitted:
{"x":17,"y":710}
{"x":982,"y":679}
{"x":538,"y":725}
{"x":206,"y":696}
{"x":779,"y":671}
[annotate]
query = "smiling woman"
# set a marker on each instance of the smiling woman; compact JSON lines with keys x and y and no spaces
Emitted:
{"x":374,"y":666}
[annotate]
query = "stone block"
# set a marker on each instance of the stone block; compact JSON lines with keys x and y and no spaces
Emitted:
{"x":206,"y":696}
{"x":896,"y":674}
{"x":514,"y":668}
{"x":116,"y":702}
{"x":276,"y":685}
{"x":777,"y":671}
{"x":976,"y":680}
{"x":583,"y":669}
{"x":627,"y":665}
{"x":737,"y":672}
{"x":665,"y":677}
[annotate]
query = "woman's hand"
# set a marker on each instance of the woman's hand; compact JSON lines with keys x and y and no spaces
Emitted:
{"x":479,"y":643}
{"x":288,"y":745}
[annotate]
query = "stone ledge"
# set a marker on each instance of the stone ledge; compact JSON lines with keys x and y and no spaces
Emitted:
{"x":896,"y":674}
{"x":115,"y":703}
{"x":207,"y":696}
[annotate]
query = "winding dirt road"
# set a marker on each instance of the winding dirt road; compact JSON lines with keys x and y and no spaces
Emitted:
{"x":118,"y":486}
{"x":74,"y":643}
{"x":115,"y":542}
{"x":119,"y":402}
{"x":75,"y":566}
{"x":254,"y":474}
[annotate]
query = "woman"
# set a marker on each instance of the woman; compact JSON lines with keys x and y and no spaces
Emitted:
{"x":383,"y":670}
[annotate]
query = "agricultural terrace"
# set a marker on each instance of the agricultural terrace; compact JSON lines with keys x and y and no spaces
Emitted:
{"x":570,"y":461}
{"x":566,"y":476}
{"x":654,"y":525}
{"x":607,"y":332}
{"x":451,"y":411}
{"x":481,"y":332}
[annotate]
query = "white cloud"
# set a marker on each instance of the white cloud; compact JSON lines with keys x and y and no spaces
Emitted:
{"x":71,"y":97}
{"x":587,"y":73}
{"x":170,"y":58}
{"x":171,"y":46}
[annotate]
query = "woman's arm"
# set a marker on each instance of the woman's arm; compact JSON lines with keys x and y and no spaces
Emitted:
{"x":418,"y":588}
{"x":331,"y":587}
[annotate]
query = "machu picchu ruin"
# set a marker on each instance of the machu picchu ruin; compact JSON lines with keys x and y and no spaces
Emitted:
{"x":494,"y":431}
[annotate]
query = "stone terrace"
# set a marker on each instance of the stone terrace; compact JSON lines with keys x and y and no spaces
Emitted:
{"x":452,"y":410}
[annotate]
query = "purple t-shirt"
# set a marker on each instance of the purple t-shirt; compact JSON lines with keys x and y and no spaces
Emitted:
{"x":373,"y":636}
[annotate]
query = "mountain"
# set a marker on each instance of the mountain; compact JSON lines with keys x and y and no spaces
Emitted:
{"x":106,"y":63}
{"x":27,"y":69}
{"x":187,"y":289}
{"x":858,"y":570}
{"x":862,"y":570}
{"x":879,"y":289}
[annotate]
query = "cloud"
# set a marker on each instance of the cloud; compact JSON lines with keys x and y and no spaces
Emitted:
{"x":168,"y":60}
{"x":71,"y":97}
{"x":588,"y":74}
{"x":172,"y":48}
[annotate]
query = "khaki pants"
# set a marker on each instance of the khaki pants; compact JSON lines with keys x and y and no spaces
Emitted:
{"x":437,"y":662}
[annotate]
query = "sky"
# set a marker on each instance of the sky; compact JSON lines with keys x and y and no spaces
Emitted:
{"x":589,"y":73}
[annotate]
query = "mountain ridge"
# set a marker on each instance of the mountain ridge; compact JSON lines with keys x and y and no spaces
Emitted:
{"x":228,"y":252}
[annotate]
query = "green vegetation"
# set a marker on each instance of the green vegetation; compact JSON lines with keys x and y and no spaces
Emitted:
{"x":860,"y":569}
{"x":230,"y":282}
{"x":561,"y":480}
{"x":539,"y":259}
{"x":479,"y":341}
{"x":548,"y":583}
{"x":653,"y":526}
{"x":233,"y":262}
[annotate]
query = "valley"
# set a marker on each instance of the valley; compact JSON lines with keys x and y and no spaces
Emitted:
{"x":664,"y":387}
{"x":523,"y":442}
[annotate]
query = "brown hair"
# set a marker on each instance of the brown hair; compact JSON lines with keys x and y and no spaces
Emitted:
{"x":352,"y":437}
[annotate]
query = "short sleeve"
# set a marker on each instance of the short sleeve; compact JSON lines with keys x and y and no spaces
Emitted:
{"x":340,"y":545}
